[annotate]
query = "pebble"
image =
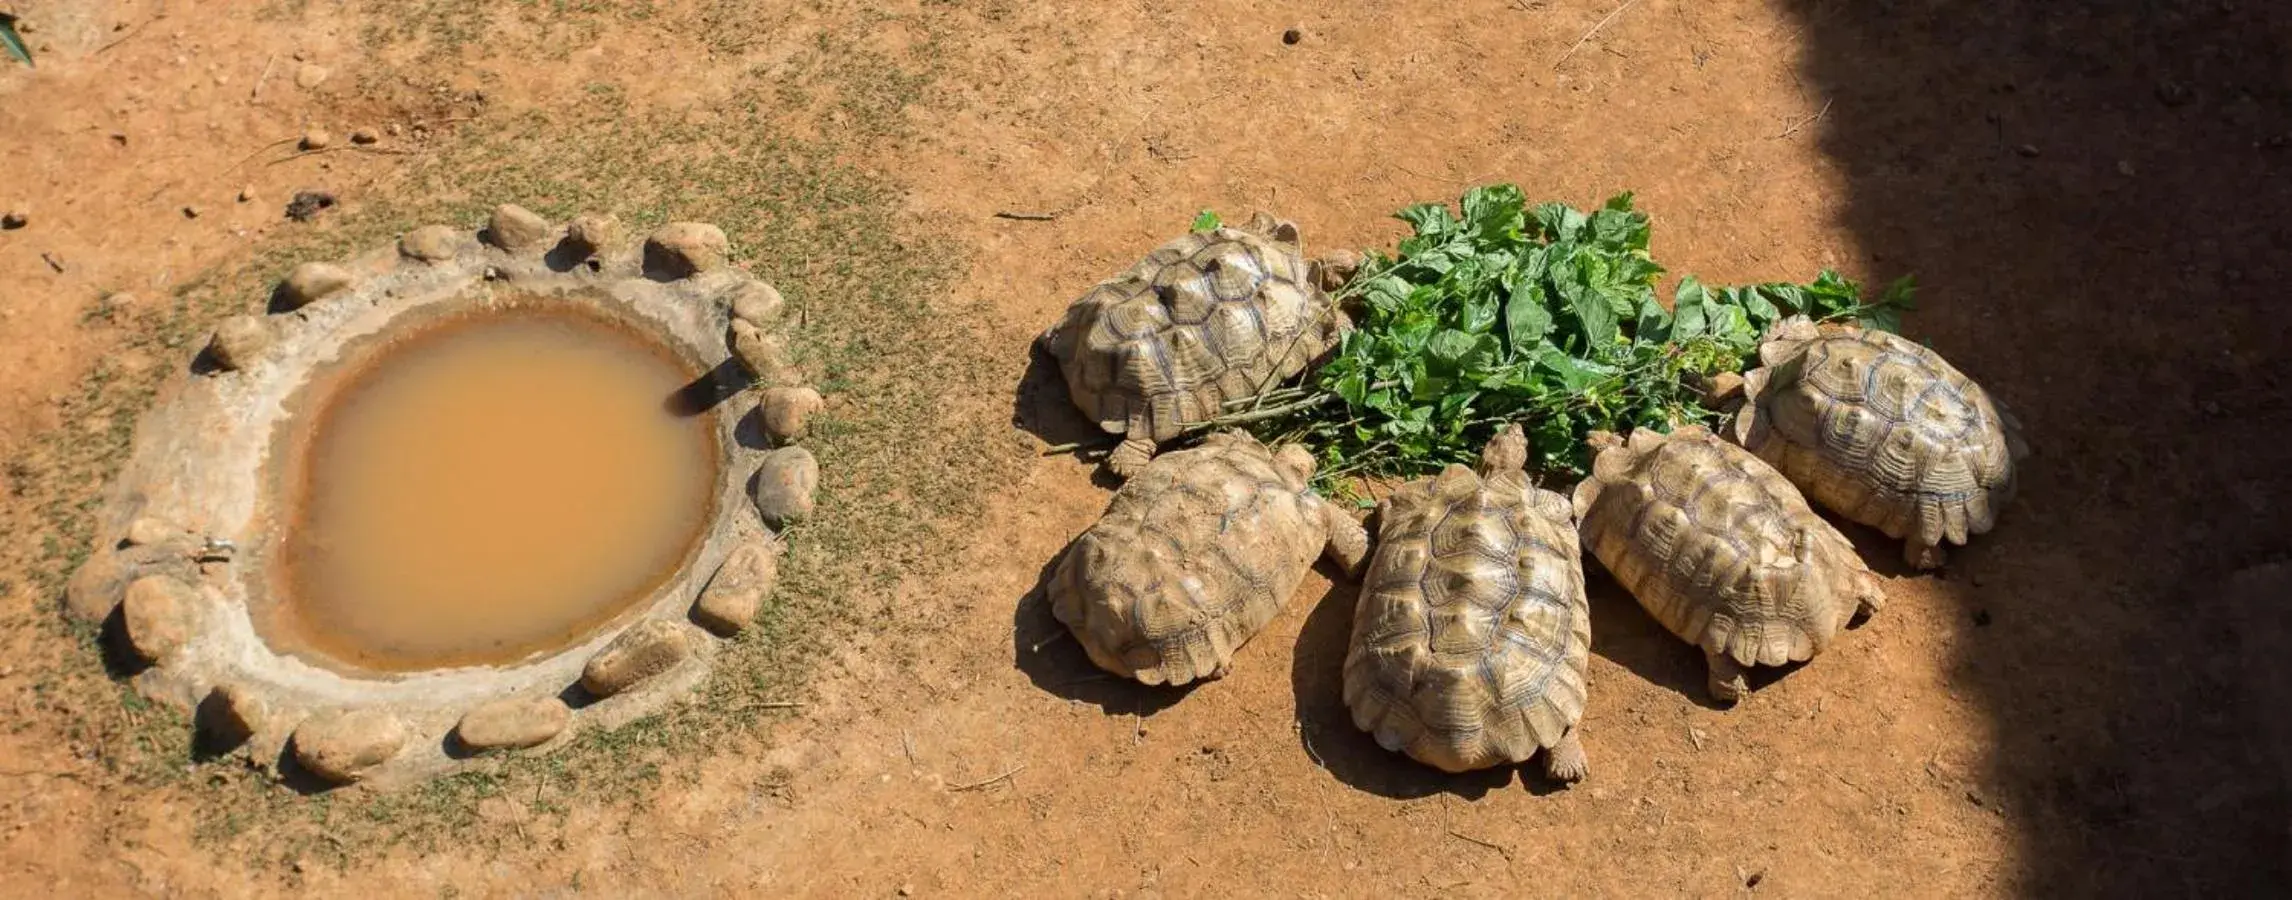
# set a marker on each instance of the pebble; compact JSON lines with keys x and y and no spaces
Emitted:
{"x":647,"y":649}
{"x":190,"y":212}
{"x":514,"y":723}
{"x":342,"y":747}
{"x":364,"y":136}
{"x":246,"y":193}
{"x":2028,"y":150}
{"x":1292,"y":36}
{"x":787,"y":411}
{"x":758,"y":302}
{"x":737,"y":593}
{"x":785,"y":482}
{"x":16,"y":217}
{"x":514,"y":228}
{"x":310,"y":75}
{"x":239,"y":342}
{"x":686,"y":248}
{"x":160,"y":614}
{"x":316,"y":139}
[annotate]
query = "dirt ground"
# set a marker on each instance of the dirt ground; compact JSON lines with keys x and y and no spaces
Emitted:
{"x":2090,"y":701}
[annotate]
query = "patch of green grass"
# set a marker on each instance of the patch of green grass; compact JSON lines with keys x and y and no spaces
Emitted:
{"x":902,"y":467}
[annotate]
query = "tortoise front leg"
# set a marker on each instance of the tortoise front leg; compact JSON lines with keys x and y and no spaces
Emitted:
{"x":1348,"y":541}
{"x":1921,"y":555}
{"x":1130,"y":458}
{"x":1727,"y":682}
{"x":1565,"y":760}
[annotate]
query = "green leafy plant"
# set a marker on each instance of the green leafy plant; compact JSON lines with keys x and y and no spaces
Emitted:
{"x":1542,"y":315}
{"x":1207,"y":221}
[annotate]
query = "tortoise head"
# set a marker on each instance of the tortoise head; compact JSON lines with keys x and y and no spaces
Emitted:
{"x":1295,"y":463}
{"x":1506,"y":452}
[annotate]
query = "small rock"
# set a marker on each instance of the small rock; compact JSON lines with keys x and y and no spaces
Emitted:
{"x":160,"y":613}
{"x":785,"y":482}
{"x":757,"y":302}
{"x":765,"y":355}
{"x":233,"y":714}
{"x":247,"y":194}
{"x":514,"y":723}
{"x":310,"y":75}
{"x":315,"y":139}
{"x":16,"y":217}
{"x":342,"y":747}
{"x":907,"y":890}
{"x":239,"y":342}
{"x":2027,"y":150}
{"x":683,"y":249}
{"x":739,"y":589}
{"x":430,"y":243}
{"x":786,"y":410}
{"x":310,"y":283}
{"x":647,"y":649}
{"x":190,"y":212}
{"x":1292,"y":36}
{"x":364,"y":136}
{"x":148,"y":530}
{"x":306,"y":205}
{"x":592,"y":234}
{"x":514,"y":228}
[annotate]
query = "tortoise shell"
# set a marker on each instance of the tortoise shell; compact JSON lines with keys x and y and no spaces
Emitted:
{"x":1472,"y":634}
{"x":1194,"y":556}
{"x":1721,"y":549}
{"x":1882,"y":431}
{"x":1205,"y":319}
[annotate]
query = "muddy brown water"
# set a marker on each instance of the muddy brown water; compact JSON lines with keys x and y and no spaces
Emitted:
{"x":490,"y":487}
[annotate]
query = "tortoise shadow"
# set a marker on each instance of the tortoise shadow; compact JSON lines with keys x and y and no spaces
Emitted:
{"x":1041,"y":408}
{"x":1325,"y":726}
{"x":1623,"y":633}
{"x":1043,"y":649}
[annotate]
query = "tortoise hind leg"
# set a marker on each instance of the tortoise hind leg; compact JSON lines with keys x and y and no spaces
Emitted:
{"x":1727,"y":682}
{"x":1565,"y":760}
{"x":1130,"y":458}
{"x":1921,"y":555}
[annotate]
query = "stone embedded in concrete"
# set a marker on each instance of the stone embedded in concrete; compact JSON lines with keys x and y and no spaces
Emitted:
{"x":148,"y":530}
{"x":514,"y":723}
{"x":430,"y":243}
{"x":591,"y":234}
{"x":342,"y":747}
{"x":239,"y":342}
{"x":312,"y":282}
{"x":647,"y":649}
{"x":161,"y":614}
{"x":757,"y":302}
{"x":741,"y":586}
{"x":787,"y":411}
{"x":785,"y":482}
{"x":234,"y":713}
{"x":516,"y":229}
{"x":763,"y":354}
{"x":682,"y":249}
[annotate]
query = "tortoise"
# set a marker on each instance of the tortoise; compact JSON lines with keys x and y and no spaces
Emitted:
{"x":1882,"y":431}
{"x":1195,"y":555}
{"x":1721,"y":549}
{"x":1204,"y":320}
{"x":1472,"y":633}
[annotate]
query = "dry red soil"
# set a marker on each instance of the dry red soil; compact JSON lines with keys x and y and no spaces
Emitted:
{"x":2093,"y":197}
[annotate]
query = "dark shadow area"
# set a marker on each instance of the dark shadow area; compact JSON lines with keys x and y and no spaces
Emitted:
{"x":568,"y":253}
{"x":717,"y":385}
{"x":297,"y":777}
{"x":215,"y":731}
{"x":1041,"y":408}
{"x":1043,"y":648}
{"x":119,"y":657}
{"x":2094,"y":198}
{"x":1325,"y":725}
{"x":206,"y":363}
{"x":1627,"y":636}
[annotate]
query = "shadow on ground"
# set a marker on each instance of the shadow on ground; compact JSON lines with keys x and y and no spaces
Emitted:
{"x":2094,"y":199}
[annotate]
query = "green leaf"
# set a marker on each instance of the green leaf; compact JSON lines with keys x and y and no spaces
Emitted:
{"x":1206,"y":222}
{"x":1592,"y":310}
{"x":1496,"y":214}
{"x":1560,"y":223}
{"x":14,"y":43}
{"x":1428,"y":218}
{"x":1527,"y":316}
{"x":1690,"y":310}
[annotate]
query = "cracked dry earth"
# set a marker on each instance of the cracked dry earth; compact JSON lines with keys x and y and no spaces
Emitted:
{"x":2032,"y":720}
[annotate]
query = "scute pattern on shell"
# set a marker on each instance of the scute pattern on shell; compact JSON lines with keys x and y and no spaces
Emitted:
{"x":1192,"y":558}
{"x":1472,"y":633}
{"x":1202,"y":320}
{"x":1718,"y":547}
{"x":1880,"y":430}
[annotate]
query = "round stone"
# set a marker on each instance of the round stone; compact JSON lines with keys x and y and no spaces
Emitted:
{"x":514,"y":228}
{"x":147,"y":530}
{"x":513,"y":723}
{"x":233,"y":713}
{"x":312,"y":282}
{"x":738,"y":591}
{"x":647,"y":649}
{"x":593,"y":234}
{"x":682,"y":249}
{"x":316,"y":139}
{"x":430,"y":243}
{"x":785,"y":482}
{"x":161,"y":614}
{"x":786,"y":410}
{"x":239,"y":342}
{"x":764,"y":354}
{"x":342,"y":747}
{"x":757,"y":302}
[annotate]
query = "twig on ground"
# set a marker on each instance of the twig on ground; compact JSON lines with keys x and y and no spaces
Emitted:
{"x":1006,"y":776}
{"x":1603,"y":23}
{"x":138,"y":29}
{"x":52,"y":263}
{"x":1025,"y":216}
{"x":1469,"y":839}
{"x":354,"y":149}
{"x":257,"y":93}
{"x":1802,"y":123}
{"x":908,"y":747}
